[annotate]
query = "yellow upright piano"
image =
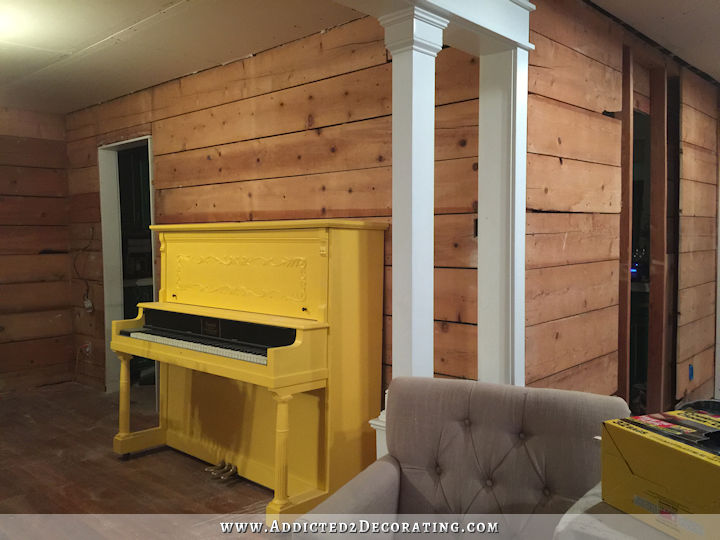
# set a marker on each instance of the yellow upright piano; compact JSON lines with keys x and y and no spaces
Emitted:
{"x":268,"y":337}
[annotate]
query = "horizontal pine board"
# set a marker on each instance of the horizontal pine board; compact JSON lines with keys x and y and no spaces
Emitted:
{"x":706,"y":390}
{"x":83,"y":180}
{"x":597,"y":376}
{"x":698,"y":93}
{"x":37,"y":125}
{"x":698,"y":128}
{"x":359,"y":193}
{"x":31,"y":268}
{"x":697,"y":233}
{"x":703,"y":369}
{"x":455,"y":294}
{"x":557,"y":71}
{"x":349,"y":97}
{"x":696,"y":268}
{"x":562,"y":291}
{"x":356,"y":145}
{"x":567,"y":185}
{"x":15,"y":210}
{"x":554,"y":346}
{"x":698,"y":199}
{"x":558,"y":129}
{"x":455,"y":348}
{"x":455,"y":241}
{"x":699,"y":164}
{"x":580,"y":27}
{"x":29,"y":355}
{"x":351,"y":47}
{"x":89,"y":323}
{"x":115,"y":115}
{"x":560,"y":239}
{"x":93,"y":290}
{"x":30,"y":152}
{"x":695,"y":303}
{"x":33,"y":181}
{"x":695,"y":337}
{"x":40,"y":296}
{"x":41,"y":324}
{"x":88,"y":265}
{"x":85,"y":236}
{"x":85,"y":208}
{"x":32,"y":239}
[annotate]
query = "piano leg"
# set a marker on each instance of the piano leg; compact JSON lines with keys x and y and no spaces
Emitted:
{"x":126,"y":442}
{"x":124,"y":423}
{"x":282,"y":428}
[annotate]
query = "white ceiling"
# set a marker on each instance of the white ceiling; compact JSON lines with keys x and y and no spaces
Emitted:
{"x":690,"y":29}
{"x":63,"y":55}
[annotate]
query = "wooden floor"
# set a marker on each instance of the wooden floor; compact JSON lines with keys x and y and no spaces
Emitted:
{"x":56,"y":457}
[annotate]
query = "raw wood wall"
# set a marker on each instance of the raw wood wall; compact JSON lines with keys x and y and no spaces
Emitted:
{"x":303,"y":131}
{"x":300,"y":131}
{"x":36,"y":342}
{"x":573,"y":198}
{"x":698,"y":242}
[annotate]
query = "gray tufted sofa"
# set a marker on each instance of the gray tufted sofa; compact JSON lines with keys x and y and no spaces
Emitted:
{"x":465,"y":447}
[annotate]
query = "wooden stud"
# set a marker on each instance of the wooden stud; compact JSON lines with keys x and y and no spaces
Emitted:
{"x":625,"y":227}
{"x":660,"y":376}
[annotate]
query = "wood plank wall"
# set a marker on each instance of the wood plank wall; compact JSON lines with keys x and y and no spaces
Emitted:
{"x":303,"y":131}
{"x":36,"y":342}
{"x":698,"y":242}
{"x":297,"y":132}
{"x":573,"y":198}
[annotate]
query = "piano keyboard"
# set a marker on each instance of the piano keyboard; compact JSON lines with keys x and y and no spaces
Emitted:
{"x":201,"y":347}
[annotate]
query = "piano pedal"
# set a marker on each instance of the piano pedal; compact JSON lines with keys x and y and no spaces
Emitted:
{"x":217,"y":467}
{"x":228,"y":475}
{"x":219,"y":472}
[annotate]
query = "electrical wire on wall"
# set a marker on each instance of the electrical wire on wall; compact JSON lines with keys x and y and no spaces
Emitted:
{"x":87,"y":302}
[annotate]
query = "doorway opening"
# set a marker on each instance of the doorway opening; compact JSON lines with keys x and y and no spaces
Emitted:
{"x":137,"y":257}
{"x":126,"y":204}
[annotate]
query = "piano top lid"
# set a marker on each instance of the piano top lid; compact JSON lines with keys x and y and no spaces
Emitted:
{"x":235,"y":315}
{"x":274,"y":225}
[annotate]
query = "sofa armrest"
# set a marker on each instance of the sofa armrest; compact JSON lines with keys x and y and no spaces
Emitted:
{"x":374,"y":491}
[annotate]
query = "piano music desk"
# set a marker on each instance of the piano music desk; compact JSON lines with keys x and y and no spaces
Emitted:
{"x":297,"y":423}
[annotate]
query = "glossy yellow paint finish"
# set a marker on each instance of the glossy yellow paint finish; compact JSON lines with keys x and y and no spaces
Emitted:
{"x":299,"y":424}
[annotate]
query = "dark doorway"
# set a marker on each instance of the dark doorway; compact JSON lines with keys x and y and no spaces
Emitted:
{"x":640,"y":265}
{"x":137,"y":260}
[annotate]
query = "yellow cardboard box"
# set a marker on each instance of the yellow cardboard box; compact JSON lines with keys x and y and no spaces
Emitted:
{"x":666,"y":464}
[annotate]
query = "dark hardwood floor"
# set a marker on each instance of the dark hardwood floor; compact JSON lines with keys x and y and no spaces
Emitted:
{"x":56,"y":457}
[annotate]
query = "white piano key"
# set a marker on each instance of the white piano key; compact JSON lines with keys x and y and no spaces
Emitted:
{"x":200,"y":347}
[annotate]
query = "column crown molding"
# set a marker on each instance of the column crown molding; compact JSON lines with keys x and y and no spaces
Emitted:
{"x":414,"y":29}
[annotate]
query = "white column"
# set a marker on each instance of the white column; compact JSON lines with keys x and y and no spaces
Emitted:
{"x":414,"y":37}
{"x":502,"y":155}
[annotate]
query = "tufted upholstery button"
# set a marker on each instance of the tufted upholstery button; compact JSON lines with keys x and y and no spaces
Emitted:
{"x":467,"y":422}
{"x":438,"y":470}
{"x":521,"y":436}
{"x":489,"y":482}
{"x":546,"y":492}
